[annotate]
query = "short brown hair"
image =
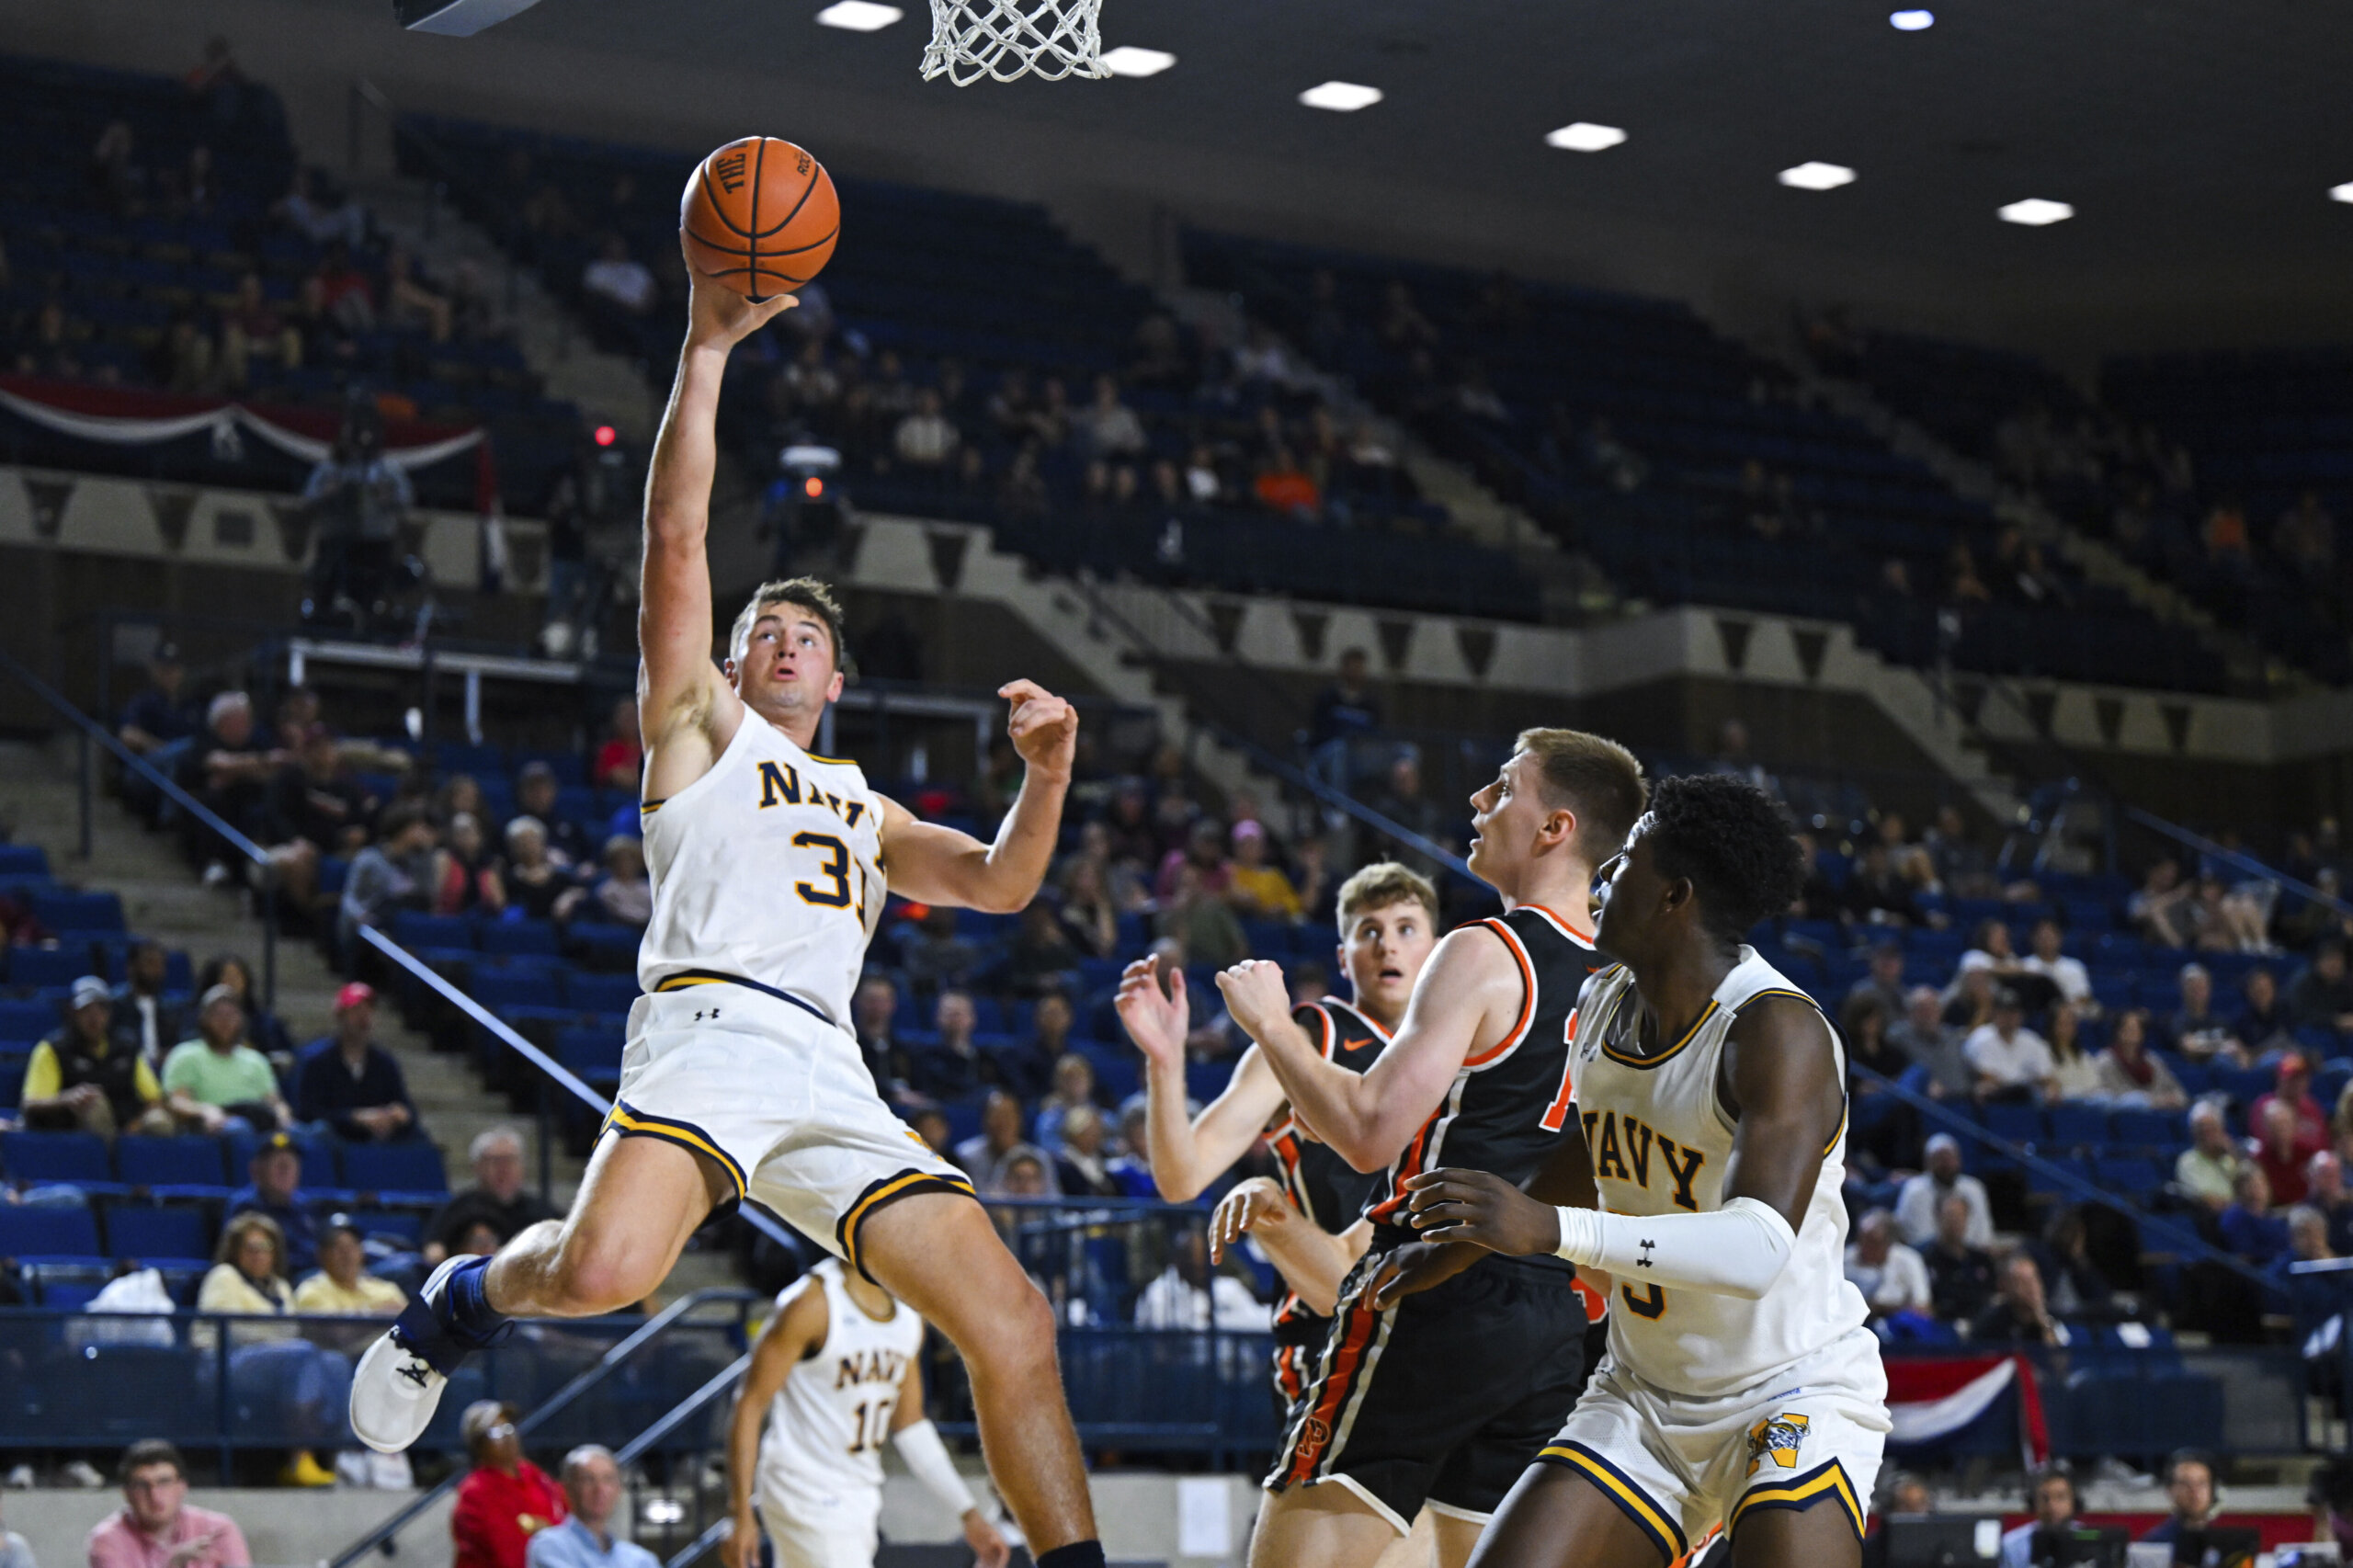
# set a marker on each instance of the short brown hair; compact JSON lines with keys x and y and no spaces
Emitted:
{"x":1381,"y":884}
{"x":233,"y":1233}
{"x":1596,"y":778}
{"x":801,"y":593}
{"x":147,"y":1452}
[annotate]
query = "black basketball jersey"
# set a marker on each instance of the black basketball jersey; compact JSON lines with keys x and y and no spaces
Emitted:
{"x":1509,"y":1103}
{"x":1326,"y":1188}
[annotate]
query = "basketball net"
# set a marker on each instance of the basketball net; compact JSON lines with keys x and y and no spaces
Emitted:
{"x":1006,"y":38}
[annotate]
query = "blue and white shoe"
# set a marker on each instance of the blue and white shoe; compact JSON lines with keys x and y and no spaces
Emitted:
{"x":398,"y":1384}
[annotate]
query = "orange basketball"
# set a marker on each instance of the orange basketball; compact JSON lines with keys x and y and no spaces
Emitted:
{"x":760,"y":216}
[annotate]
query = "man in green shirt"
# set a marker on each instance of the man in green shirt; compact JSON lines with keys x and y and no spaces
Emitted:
{"x":217,"y":1082}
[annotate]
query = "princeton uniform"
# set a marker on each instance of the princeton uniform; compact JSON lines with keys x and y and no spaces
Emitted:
{"x":1709,"y":1406}
{"x":820,"y":1473}
{"x":1445,"y":1398}
{"x":1325,"y":1187}
{"x":768,"y":884}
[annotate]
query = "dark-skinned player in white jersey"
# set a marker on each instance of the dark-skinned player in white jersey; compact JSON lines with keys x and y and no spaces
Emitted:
{"x":1741,"y":1391}
{"x":1435,"y":1401}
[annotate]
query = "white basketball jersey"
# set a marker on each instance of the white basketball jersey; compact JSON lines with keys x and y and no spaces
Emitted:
{"x":768,"y":868}
{"x":1660,"y":1141}
{"x":830,"y":1420}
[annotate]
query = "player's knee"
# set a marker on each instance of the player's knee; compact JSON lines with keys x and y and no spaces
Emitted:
{"x":1016,"y":1331}
{"x":590,"y":1279}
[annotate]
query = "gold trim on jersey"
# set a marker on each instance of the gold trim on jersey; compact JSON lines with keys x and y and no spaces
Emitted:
{"x":831,"y":761}
{"x":1689,"y":1035}
{"x":633,"y":1123}
{"x":1828,"y":1480}
{"x":1778,"y":990}
{"x":1648,"y":1516}
{"x":906,"y":1183}
{"x":647,"y":808}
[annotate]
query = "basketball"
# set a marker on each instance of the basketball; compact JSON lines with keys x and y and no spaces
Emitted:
{"x":760,"y":216}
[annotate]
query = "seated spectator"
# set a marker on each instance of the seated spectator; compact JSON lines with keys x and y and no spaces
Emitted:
{"x":1256,"y":888}
{"x":1073,"y":1085}
{"x":87,"y":1077}
{"x":1963,"y":866}
{"x":506,"y":1499}
{"x":2209,"y":1170}
{"x":1884,"y":982}
{"x":1969,"y":1003}
{"x":531,"y":880}
{"x":309,"y":1385}
{"x":2045,"y":1539}
{"x":2196,"y":1030}
{"x":621,"y":755}
{"x":926,"y":438}
{"x":497,"y":1199}
{"x":1960,"y":1273}
{"x":2226,"y":922}
{"x":318,"y":802}
{"x":1197,"y":917}
{"x":592,"y":1490}
{"x":1892,"y":1277}
{"x":2280,"y":1148}
{"x":1042,"y":957}
{"x":262,"y":1026}
{"x":1933,"y":1047}
{"x":273,"y":1189}
{"x":873,"y":1007}
{"x":2129,"y":1073}
{"x":311,"y":209}
{"x":1110,"y":426}
{"x":159,"y":716}
{"x":393,"y":873}
{"x":157,"y":1526}
{"x":1188,"y":1295}
{"x":351,"y":1084}
{"x":2162,"y":908}
{"x":1919,"y":1201}
{"x":219,"y":1083}
{"x":618,"y":280}
{"x":537,"y":795}
{"x":1082,"y":1168}
{"x":1876,"y":894}
{"x":2321,"y":996}
{"x":410,"y":300}
{"x":985,"y":1154}
{"x":1088,"y":912}
{"x":2325,"y":1191}
{"x":2073,"y":980}
{"x":622,"y":896}
{"x":954,"y":1066}
{"x":253,"y":328}
{"x":2018,"y":1314}
{"x":343,"y":1287}
{"x":465,"y":875}
{"x":2013,"y":1062}
{"x":2189,"y":1487}
{"x":2249,"y":1228}
{"x":1990,"y":950}
{"x":228,"y":770}
{"x":2075,"y":1286}
{"x":935,"y":955}
{"x":2264,"y":1024}
{"x":1204,"y":850}
{"x":2294,"y":1085}
{"x":2074,"y":1073}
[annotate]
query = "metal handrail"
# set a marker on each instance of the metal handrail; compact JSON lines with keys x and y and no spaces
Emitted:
{"x":718,"y":1530}
{"x":607,"y":1365}
{"x":677,"y":1414}
{"x":2186,"y":1241}
{"x":2239,"y":858}
{"x":93,"y":730}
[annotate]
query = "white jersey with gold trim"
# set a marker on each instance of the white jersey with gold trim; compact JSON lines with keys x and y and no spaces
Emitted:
{"x":768,"y":869}
{"x":1660,"y":1141}
{"x":822,"y":1449}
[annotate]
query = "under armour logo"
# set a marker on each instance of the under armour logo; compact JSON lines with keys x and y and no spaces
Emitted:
{"x":1644,"y":1261}
{"x":415,"y":1372}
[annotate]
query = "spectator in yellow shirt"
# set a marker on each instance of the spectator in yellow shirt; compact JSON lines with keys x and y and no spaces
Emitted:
{"x":1257,"y":890}
{"x":85,"y":1078}
{"x":343,"y":1287}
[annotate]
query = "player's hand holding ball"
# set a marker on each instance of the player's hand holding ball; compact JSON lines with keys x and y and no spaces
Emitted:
{"x":1157,"y":1020}
{"x":758,"y":219}
{"x":1044,"y":729}
{"x":1256,"y":994}
{"x":1451,"y":1205}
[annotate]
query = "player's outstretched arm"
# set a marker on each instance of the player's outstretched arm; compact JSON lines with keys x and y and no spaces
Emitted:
{"x":938,"y":865}
{"x":677,"y":684}
{"x":792,"y":1335}
{"x":918,"y":1443}
{"x":1186,"y":1155}
{"x":1468,"y":997}
{"x":1780,"y":1086}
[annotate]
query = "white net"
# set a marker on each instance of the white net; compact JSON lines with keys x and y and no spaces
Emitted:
{"x":1006,"y":38}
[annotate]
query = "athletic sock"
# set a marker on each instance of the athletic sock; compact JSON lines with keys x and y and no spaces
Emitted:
{"x":465,"y":1308}
{"x":1077,"y":1554}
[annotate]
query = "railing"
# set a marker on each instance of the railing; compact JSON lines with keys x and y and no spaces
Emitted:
{"x":93,"y":733}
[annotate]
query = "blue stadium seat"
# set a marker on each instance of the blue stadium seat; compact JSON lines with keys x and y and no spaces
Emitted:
{"x":2136,"y":1128}
{"x":158,"y":1237}
{"x":13,"y":1059}
{"x":79,"y":1158}
{"x":2076,"y":1124}
{"x":599,"y":993}
{"x":45,"y":968}
{"x":498,"y":989}
{"x":519,"y":937}
{"x":27,"y":1021}
{"x":2041,"y":1185}
{"x":2015,"y":1123}
{"x":2127,"y":1176}
{"x":176,"y":1164}
{"x":2243,"y":1084}
{"x":320,"y":1177}
{"x":42,"y":1236}
{"x":413,"y":931}
{"x":595,"y":1053}
{"x":23,"y":860}
{"x":606,"y":946}
{"x":400,"y":1228}
{"x":91,"y":912}
{"x":411,"y":1165}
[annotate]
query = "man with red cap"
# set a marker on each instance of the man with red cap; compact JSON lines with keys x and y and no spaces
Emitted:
{"x":2295,"y":1088}
{"x":348,"y":1082}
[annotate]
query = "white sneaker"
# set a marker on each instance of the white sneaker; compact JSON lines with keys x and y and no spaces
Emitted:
{"x":21,"y":1479}
{"x":390,"y":1473}
{"x":395,"y":1388}
{"x":83,"y":1473}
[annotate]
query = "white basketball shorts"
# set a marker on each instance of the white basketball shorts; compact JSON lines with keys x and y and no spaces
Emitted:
{"x":841,"y":1532}
{"x":1681,"y":1468}
{"x":779,"y":1098}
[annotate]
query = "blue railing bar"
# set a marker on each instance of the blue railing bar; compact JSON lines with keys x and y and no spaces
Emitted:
{"x":721,"y":1529}
{"x":2183,"y":1241}
{"x":1346,"y":802}
{"x":774,"y":1230}
{"x":606,"y":1365}
{"x":2243,"y":862}
{"x":676,"y":1416}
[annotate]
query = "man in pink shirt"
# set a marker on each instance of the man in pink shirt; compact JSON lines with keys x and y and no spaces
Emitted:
{"x":158,"y":1527}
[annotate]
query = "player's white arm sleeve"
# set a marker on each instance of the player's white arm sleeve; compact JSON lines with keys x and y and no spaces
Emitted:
{"x":1739,"y":1250}
{"x":927,"y":1462}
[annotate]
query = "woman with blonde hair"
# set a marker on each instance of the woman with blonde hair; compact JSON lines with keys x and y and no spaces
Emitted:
{"x":277,"y":1379}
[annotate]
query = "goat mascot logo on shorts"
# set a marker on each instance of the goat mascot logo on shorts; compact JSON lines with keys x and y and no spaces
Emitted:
{"x":1780,"y":1437}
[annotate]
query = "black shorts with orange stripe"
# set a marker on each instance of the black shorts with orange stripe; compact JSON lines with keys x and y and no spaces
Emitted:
{"x":1443,"y":1399}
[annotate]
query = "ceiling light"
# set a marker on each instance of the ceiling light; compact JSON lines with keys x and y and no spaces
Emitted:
{"x":2342,"y":193}
{"x":1342,"y":97}
{"x":1129,"y":60}
{"x":1912,"y":21}
{"x":1818,"y":177}
{"x":2035,"y":212}
{"x":1584,"y":137}
{"x":858,"y":15}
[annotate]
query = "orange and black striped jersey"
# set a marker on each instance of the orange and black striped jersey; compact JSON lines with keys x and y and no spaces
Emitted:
{"x":1320,"y":1184}
{"x":1509,"y":1104}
